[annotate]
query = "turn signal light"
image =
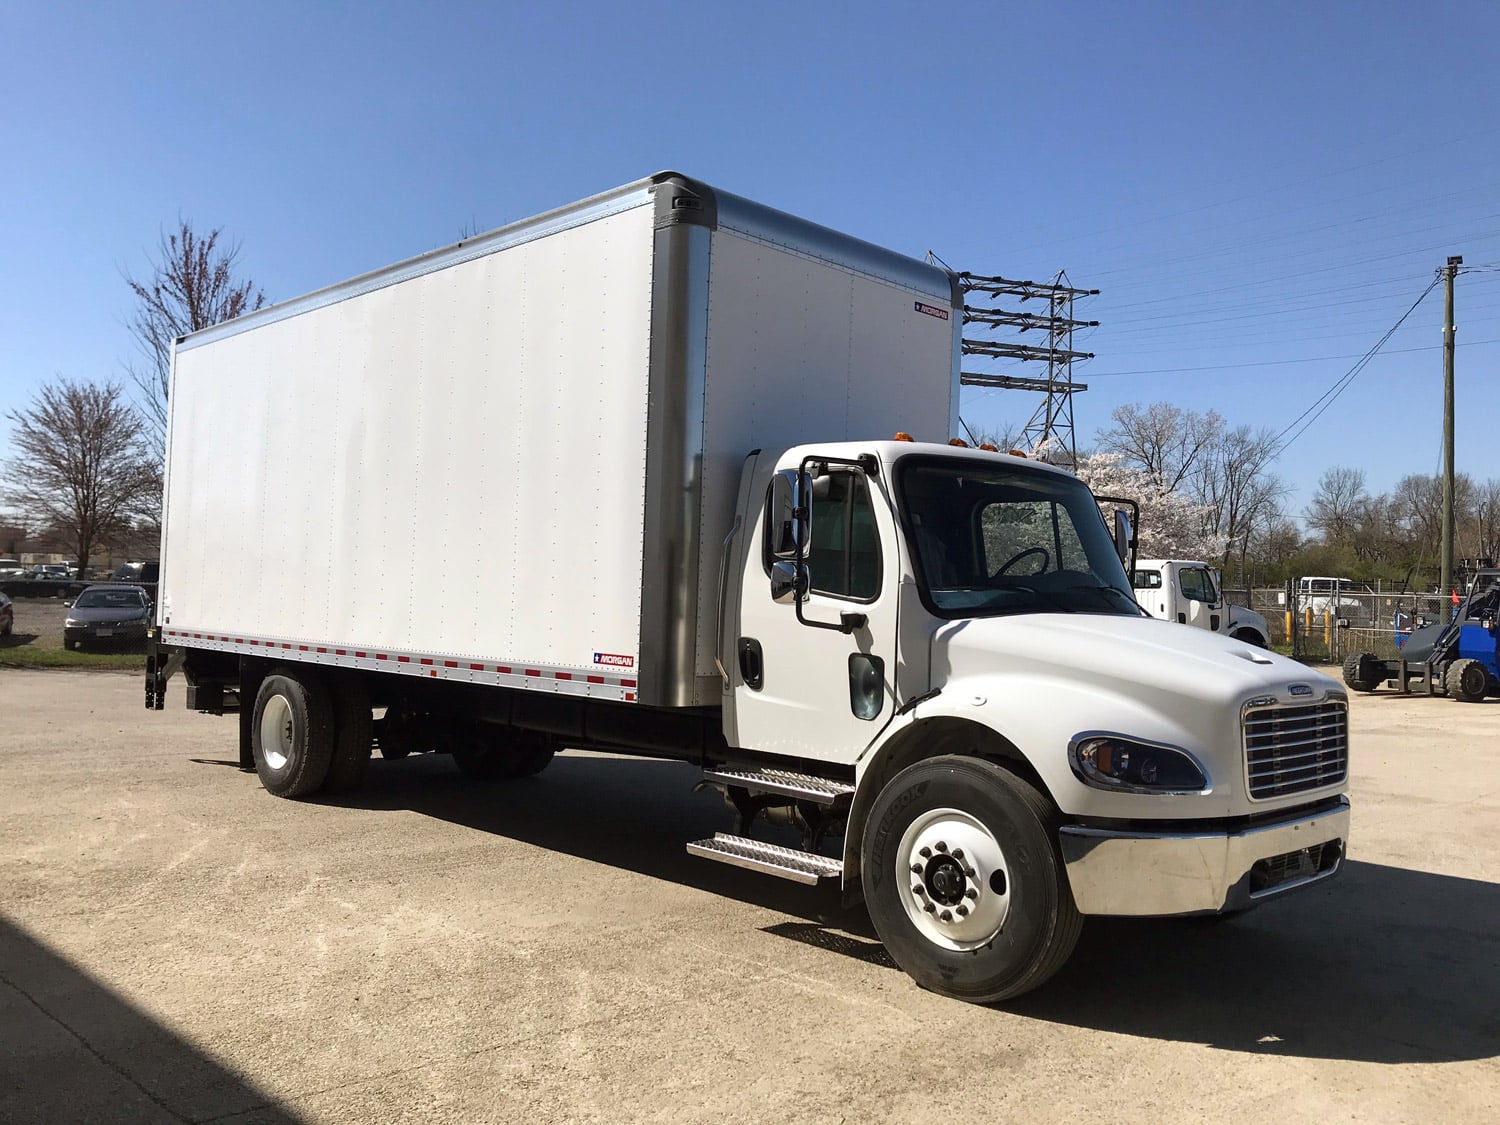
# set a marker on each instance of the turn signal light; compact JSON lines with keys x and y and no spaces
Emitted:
{"x":902,"y":435}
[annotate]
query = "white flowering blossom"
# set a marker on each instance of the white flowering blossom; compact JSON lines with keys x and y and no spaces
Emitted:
{"x":1171,"y":525}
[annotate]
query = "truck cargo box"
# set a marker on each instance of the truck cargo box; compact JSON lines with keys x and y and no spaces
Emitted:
{"x":511,"y":461}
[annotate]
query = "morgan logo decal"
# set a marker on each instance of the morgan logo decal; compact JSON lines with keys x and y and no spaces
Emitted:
{"x":614,"y":660}
{"x":932,"y":310}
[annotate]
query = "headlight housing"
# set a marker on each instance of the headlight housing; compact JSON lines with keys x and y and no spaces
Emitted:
{"x":1120,"y":764}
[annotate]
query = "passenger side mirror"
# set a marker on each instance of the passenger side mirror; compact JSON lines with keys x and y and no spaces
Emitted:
{"x":789,"y":518}
{"x":1124,"y":536}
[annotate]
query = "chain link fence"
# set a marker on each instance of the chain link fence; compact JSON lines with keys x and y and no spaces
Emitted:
{"x":1328,"y":629}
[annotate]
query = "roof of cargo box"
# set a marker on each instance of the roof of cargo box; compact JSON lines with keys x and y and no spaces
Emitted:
{"x":690,"y":202}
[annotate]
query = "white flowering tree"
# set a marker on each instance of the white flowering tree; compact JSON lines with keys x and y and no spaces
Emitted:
{"x":1172,"y":526}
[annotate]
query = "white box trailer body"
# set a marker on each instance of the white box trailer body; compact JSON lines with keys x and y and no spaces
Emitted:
{"x":512,"y":460}
{"x":623,"y":478}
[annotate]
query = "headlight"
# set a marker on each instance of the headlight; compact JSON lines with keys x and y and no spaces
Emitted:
{"x":71,"y":623}
{"x":1129,"y":765}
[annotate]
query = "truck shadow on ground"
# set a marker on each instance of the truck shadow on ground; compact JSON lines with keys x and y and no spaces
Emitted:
{"x":1381,"y":964}
{"x":71,"y":1049}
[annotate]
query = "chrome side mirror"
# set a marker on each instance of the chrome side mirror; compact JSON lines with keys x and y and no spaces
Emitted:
{"x":789,"y":516}
{"x":788,"y":581}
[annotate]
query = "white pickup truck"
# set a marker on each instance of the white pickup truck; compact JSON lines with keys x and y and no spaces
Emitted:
{"x":1190,"y":593}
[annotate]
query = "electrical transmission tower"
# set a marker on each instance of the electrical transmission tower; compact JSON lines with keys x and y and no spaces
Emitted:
{"x":1052,"y":422}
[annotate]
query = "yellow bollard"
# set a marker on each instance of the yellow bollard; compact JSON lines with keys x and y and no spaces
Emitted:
{"x":1328,"y":628}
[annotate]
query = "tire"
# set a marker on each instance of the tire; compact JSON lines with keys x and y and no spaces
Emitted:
{"x":292,"y":732}
{"x":1023,"y":923}
{"x":519,"y":755}
{"x":1466,"y":681}
{"x":1356,"y":671}
{"x":1250,"y":637}
{"x":353,"y":735}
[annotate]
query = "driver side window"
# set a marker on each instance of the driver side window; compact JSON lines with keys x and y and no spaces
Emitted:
{"x":843,"y":558}
{"x":1029,"y":538}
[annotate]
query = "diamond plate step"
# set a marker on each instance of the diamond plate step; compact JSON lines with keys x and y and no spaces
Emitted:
{"x":788,"y":863}
{"x":803,"y":786}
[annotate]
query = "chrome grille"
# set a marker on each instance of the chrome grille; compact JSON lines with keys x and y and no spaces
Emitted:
{"x":1296,"y":749}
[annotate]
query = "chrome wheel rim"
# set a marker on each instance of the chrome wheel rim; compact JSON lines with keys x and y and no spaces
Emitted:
{"x":954,"y":880}
{"x":278,"y":728}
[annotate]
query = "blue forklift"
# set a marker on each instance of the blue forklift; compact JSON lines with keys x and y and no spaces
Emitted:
{"x":1459,"y":658}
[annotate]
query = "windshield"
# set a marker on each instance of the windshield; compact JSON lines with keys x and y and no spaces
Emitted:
{"x":110,"y":599}
{"x":996,"y":538}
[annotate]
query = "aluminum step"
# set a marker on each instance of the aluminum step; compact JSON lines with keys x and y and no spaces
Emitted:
{"x":788,"y":863}
{"x":803,"y":786}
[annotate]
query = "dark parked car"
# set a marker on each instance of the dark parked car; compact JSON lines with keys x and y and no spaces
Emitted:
{"x":144,"y":572}
{"x":7,"y":616}
{"x":107,"y":613}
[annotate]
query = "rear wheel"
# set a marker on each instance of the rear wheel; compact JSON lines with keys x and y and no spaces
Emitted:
{"x":353,"y":735}
{"x":292,"y":732}
{"x":1466,"y":680}
{"x":964,"y":881}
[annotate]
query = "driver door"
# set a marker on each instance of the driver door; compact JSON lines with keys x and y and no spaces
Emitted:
{"x":813,"y":690}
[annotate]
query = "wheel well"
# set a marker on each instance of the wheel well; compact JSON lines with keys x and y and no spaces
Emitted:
{"x":930,"y":738}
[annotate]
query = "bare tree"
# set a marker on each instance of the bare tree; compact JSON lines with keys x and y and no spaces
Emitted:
{"x":1337,"y":505}
{"x":1234,"y":481}
{"x":1165,"y":441}
{"x":192,"y":285}
{"x":80,"y":463}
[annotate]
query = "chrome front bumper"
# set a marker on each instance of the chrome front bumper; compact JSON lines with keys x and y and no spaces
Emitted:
{"x":1164,"y":873}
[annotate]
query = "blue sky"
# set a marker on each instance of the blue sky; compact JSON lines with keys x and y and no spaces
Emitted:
{"x":1258,"y":190}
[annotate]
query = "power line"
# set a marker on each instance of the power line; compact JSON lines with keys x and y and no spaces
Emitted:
{"x":1328,"y":397}
{"x":1274,"y":362}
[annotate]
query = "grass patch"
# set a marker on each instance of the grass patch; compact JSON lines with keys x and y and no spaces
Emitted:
{"x":26,"y":656}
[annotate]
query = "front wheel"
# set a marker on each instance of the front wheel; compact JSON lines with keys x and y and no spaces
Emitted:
{"x":964,"y":882}
{"x":1466,"y":680}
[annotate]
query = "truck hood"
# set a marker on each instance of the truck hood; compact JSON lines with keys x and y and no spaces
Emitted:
{"x":1157,"y":663}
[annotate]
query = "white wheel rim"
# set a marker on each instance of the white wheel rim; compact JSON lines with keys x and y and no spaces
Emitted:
{"x":277,"y":731}
{"x":954,"y":882}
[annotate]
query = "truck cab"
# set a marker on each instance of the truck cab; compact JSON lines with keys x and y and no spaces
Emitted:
{"x":971,"y":614}
{"x":1190,"y":592}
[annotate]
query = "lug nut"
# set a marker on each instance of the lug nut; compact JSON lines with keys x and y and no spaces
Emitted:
{"x":942,"y":847}
{"x":925,"y":853}
{"x":930,"y":908}
{"x":946,"y":916}
{"x":919,"y":890}
{"x":958,"y":853}
{"x":969,"y":871}
{"x":916,"y":869}
{"x":963,"y":911}
{"x":971,"y":894}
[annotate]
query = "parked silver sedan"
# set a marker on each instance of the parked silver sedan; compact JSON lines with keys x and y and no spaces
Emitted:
{"x":117,"y":614}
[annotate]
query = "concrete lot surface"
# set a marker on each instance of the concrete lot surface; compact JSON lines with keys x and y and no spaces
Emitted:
{"x":177,"y":945}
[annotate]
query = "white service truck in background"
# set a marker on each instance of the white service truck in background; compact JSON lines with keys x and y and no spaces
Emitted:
{"x":1190,"y":592}
{"x":650,"y":437}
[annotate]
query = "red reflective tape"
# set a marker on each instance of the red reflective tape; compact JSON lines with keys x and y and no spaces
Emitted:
{"x":198,"y":636}
{"x":381,"y":656}
{"x":532,"y":672}
{"x":627,"y":683}
{"x":322,"y":650}
{"x":502,"y":669}
{"x":432,"y":672}
{"x":426,"y":660}
{"x":596,"y":679}
{"x":403,"y":660}
{"x":285,"y":645}
{"x":301,"y":648}
{"x":450,"y":664}
{"x":476,"y":667}
{"x":562,"y":675}
{"x":360,"y":655}
{"x":340,"y":652}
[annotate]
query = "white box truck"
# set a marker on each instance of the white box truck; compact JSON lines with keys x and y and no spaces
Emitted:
{"x":622,"y":478}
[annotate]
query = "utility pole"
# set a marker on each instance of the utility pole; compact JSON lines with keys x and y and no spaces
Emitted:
{"x":1445,"y":579}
